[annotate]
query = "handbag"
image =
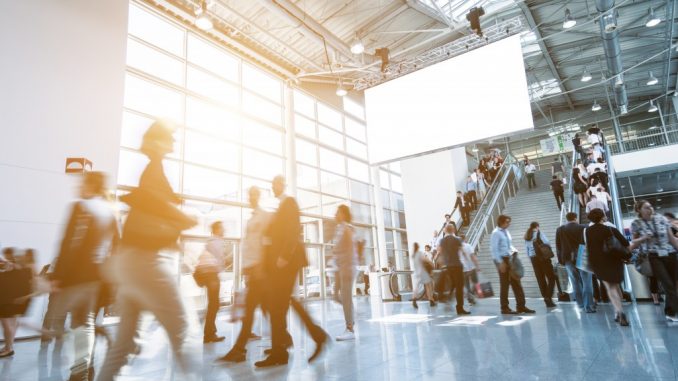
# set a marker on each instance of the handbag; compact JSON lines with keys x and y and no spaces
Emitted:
{"x":642,"y":264}
{"x":612,"y":246}
{"x":542,"y":249}
{"x":582,"y":261}
{"x":516,"y":269}
{"x":483,"y":287}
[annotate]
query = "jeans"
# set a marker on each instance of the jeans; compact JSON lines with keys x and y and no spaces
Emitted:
{"x":543,"y":271}
{"x":213,"y":285}
{"x":505,"y":280}
{"x":582,"y":284}
{"x":80,"y":301}
{"x":343,"y":286}
{"x":530,"y":181}
{"x":560,"y":198}
{"x":665,"y":269}
{"x":146,"y":282}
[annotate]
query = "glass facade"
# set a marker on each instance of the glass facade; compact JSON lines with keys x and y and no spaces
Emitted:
{"x":234,"y":132}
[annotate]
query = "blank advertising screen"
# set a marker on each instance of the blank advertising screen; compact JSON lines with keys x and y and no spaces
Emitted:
{"x":477,"y":95}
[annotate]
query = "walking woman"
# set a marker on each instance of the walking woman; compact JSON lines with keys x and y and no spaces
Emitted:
{"x":422,"y":271}
{"x":652,"y":234}
{"x":541,"y":262}
{"x":346,"y":259}
{"x":607,"y":265}
{"x":145,"y":279}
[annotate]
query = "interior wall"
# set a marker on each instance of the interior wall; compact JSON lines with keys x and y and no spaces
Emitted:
{"x":430,"y":183}
{"x":62,"y":76}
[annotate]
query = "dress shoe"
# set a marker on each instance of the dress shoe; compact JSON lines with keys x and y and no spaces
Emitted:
{"x":463,"y":312}
{"x":508,"y":311}
{"x":6,"y":354}
{"x":254,"y":336}
{"x":320,"y":344}
{"x":525,"y":310}
{"x":549,"y":303}
{"x":234,"y":355}
{"x":271,"y":361}
{"x":622,"y":320}
{"x":432,"y":303}
{"x":213,"y":339}
{"x":414,"y":304}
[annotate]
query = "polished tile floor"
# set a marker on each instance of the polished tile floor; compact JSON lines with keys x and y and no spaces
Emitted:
{"x":397,"y":342}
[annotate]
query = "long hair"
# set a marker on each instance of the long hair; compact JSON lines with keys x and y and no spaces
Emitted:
{"x":528,"y":233}
{"x":415,"y":247}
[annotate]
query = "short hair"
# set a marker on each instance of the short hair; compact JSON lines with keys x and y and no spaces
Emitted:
{"x":214,"y":226}
{"x":458,"y":191}
{"x":346,"y":212}
{"x":554,"y":177}
{"x":502,"y":219}
{"x":447,"y":216}
{"x":596,"y":215}
{"x":571,"y":216}
{"x":427,"y":247}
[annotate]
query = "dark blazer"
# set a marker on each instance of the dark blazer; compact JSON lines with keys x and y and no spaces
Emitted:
{"x":284,"y":235}
{"x":450,"y":246}
{"x":457,"y":204}
{"x":568,"y":239}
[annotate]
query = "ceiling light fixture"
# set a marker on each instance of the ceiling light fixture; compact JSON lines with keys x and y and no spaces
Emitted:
{"x":341,"y":91}
{"x":652,"y":80}
{"x":586,"y":76}
{"x":619,"y":79}
{"x":596,"y":106}
{"x":652,"y":19}
{"x":357,"y":46}
{"x":609,"y":21}
{"x":569,"y":20}
{"x":653,"y":107}
{"x":202,"y":21}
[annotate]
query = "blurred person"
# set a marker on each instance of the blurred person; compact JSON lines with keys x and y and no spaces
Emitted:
{"x":471,"y":268}
{"x":145,"y":279}
{"x":450,"y":248}
{"x":597,"y":204}
{"x":482,"y":185}
{"x":580,"y":185}
{"x":253,"y":271}
{"x":502,"y":251}
{"x":285,"y":255}
{"x":90,"y":235}
{"x":568,"y":238}
{"x":530,"y":169}
{"x":576,"y":142}
{"x":557,"y":169}
{"x":543,"y":269}
{"x":471,"y":187}
{"x":652,"y":234}
{"x":673,"y":221}
{"x":8,"y":308}
{"x":558,"y":190}
{"x":345,"y":257}
{"x":423,"y":266}
{"x":210,"y":263}
{"x":464,"y":208}
{"x":607,"y":265}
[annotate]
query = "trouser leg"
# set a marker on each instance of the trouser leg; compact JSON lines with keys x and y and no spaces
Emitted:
{"x":456,"y":274}
{"x":663,"y":268}
{"x":123,"y":344}
{"x":537,"y":265}
{"x":316,"y":332}
{"x":347,"y":298}
{"x":503,"y":288}
{"x":212,"y":287}
{"x":517,"y":288}
{"x":576,"y":281}
{"x":252,"y":300}
{"x":587,"y":289}
{"x":279,"y":301}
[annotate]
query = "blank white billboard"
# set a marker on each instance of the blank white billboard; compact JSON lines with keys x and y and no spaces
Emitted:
{"x":477,"y":95}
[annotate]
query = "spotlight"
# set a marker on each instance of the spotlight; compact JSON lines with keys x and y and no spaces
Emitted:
{"x":653,"y":107}
{"x":619,"y":79}
{"x":357,"y":46}
{"x":341,"y":91}
{"x":652,"y":19}
{"x":652,"y":80}
{"x":473,"y":17}
{"x":569,"y":20}
{"x":202,"y":21}
{"x":586,"y":76}
{"x":383,"y":54}
{"x":596,"y":106}
{"x":609,"y":21}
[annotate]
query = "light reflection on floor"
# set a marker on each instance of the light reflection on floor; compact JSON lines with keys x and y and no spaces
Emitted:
{"x":396,"y":342}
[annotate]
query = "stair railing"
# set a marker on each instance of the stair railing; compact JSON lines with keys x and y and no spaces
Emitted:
{"x":572,"y":198}
{"x":504,"y":186}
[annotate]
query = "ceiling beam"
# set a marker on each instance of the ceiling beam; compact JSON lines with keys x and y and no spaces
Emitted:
{"x":547,"y":55}
{"x":382,"y":18}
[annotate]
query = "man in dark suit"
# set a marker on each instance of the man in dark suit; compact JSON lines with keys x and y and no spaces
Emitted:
{"x":463,"y":206}
{"x":284,"y":256}
{"x":568,"y":239}
{"x":449,"y":248}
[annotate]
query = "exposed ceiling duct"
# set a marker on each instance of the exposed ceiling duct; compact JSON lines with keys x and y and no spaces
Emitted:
{"x":609,"y":32}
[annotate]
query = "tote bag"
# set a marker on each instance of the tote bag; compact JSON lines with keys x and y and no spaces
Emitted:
{"x":582,"y":262}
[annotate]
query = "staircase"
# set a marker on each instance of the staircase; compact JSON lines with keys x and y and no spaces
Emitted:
{"x":537,"y":204}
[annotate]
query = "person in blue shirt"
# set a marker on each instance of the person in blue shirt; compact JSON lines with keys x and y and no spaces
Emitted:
{"x":502,"y":251}
{"x":543,"y":268}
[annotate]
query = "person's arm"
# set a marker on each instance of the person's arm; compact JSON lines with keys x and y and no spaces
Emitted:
{"x":638,"y":239}
{"x":543,"y":238}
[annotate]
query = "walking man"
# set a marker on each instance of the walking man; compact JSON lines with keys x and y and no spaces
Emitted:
{"x":568,"y":239}
{"x":530,"y":169}
{"x":558,"y":191}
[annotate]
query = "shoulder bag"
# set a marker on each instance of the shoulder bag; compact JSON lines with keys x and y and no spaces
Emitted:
{"x":612,"y":246}
{"x":516,"y":269}
{"x":542,"y":249}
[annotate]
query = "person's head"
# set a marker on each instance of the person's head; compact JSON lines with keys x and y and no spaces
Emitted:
{"x":600,"y":160}
{"x":427,"y":248}
{"x":217,"y":229}
{"x":435,"y":233}
{"x":447,"y":216}
{"x":576,"y":135}
{"x":571,"y":217}
{"x":670,"y":216}
{"x":554,"y":177}
{"x":644,"y":209}
{"x":503,"y":221}
{"x":458,"y":193}
{"x":415,"y":247}
{"x":596,"y":215}
{"x":158,"y":140}
{"x":343,"y":214}
{"x":254,"y":196}
{"x":450,"y":229}
{"x":93,"y":185}
{"x":534,"y":226}
{"x":278,"y":185}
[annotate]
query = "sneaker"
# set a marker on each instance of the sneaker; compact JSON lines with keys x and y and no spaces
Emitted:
{"x":346,"y":336}
{"x":672,"y":318}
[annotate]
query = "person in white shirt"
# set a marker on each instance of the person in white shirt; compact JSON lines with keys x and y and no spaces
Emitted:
{"x":530,"y":169}
{"x":210,"y":264}
{"x":595,"y":203}
{"x":469,"y":262}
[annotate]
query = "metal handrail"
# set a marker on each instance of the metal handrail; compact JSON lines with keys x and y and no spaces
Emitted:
{"x":644,"y":140}
{"x":476,"y":230}
{"x":572,"y":197}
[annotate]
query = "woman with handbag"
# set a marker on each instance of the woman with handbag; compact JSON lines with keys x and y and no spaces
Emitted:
{"x":540,"y":253}
{"x":423,"y":267}
{"x":145,"y":279}
{"x":608,"y":250}
{"x":653,"y":236}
